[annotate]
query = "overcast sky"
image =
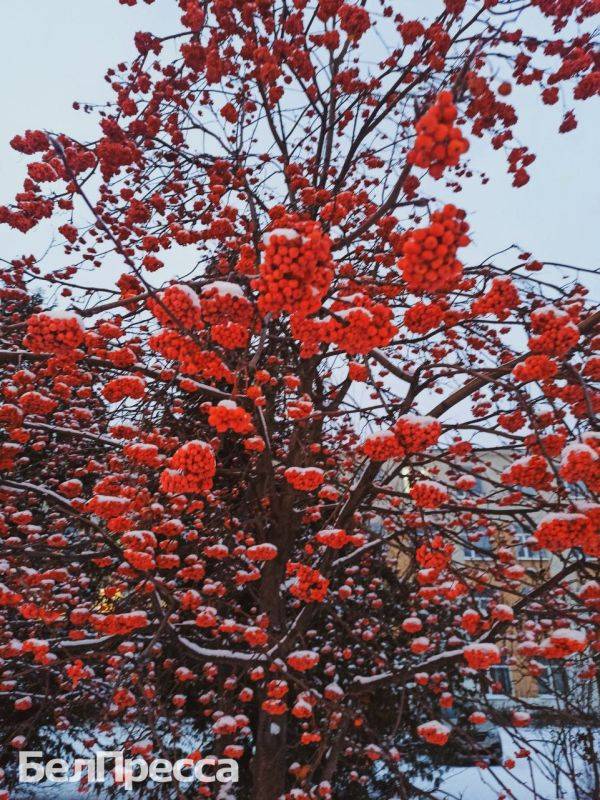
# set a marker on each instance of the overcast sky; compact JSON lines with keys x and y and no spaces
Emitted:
{"x":56,"y":51}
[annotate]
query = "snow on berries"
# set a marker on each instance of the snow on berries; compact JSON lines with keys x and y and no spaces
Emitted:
{"x":296,"y":269}
{"x":58,"y":332}
{"x":191,"y":469}
{"x":262,"y":552}
{"x":532,"y":471}
{"x":357,"y":324}
{"x":417,"y":433}
{"x":439,"y":143}
{"x":336,"y":538}
{"x":304,"y":479}
{"x":382,"y":446}
{"x":564,"y":642}
{"x":177,"y":306}
{"x":410,"y":434}
{"x":557,"y":532}
{"x":227,"y":415}
{"x":434,"y":732}
{"x":130,"y":387}
{"x":308,"y":584}
{"x":481,"y":655}
{"x":556,"y":332}
{"x":429,"y":263}
{"x":302,"y":660}
{"x":580,"y":462}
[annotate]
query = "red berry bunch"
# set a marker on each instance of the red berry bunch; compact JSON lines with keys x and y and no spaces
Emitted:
{"x":118,"y":389}
{"x":481,"y":655}
{"x":535,"y":368}
{"x":191,"y":469}
{"x":557,"y":333}
{"x":417,"y":433}
{"x":429,"y":262}
{"x":563,"y":642}
{"x":499,"y":300}
{"x":309,"y":585}
{"x":428,"y":494}
{"x":557,"y":532}
{"x":54,"y":332}
{"x":178,"y":305}
{"x":354,"y":20}
{"x":423,"y":317}
{"x":301,"y":660}
{"x":227,"y":415}
{"x":528,"y":471}
{"x":336,"y":538}
{"x":358,"y":324}
{"x":434,"y":732}
{"x":223,"y":300}
{"x":439,"y":143}
{"x":36,"y":403}
{"x":580,"y":462}
{"x":305,"y":479}
{"x":230,"y":335}
{"x":296,"y":269}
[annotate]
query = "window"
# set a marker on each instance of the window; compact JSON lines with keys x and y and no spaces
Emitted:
{"x":553,"y":679}
{"x":482,"y":548}
{"x":501,"y":683}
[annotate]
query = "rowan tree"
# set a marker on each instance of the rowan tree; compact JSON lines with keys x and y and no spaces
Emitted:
{"x":245,"y":410}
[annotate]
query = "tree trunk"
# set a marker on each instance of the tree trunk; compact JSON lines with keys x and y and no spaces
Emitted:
{"x":269,"y":763}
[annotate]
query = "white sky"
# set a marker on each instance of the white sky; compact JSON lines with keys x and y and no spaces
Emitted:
{"x":56,"y":51}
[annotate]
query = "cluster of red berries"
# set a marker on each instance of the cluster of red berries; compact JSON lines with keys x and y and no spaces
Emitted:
{"x":382,"y":446}
{"x":191,"y":469}
{"x":580,"y":462}
{"x":36,"y":403}
{"x":428,"y":494}
{"x":434,"y":732}
{"x":305,"y":479}
{"x":557,"y":334}
{"x":262,"y":552}
{"x":429,"y":262}
{"x":439,"y":143}
{"x":107,"y":506}
{"x":481,"y":655}
{"x":177,"y":305}
{"x":230,"y":335}
{"x":117,"y":624}
{"x":535,"y":368}
{"x":417,"y":433}
{"x":499,"y":300}
{"x":528,"y":471}
{"x":296,"y":269}
{"x":301,"y":660}
{"x":423,"y":317}
{"x":223,"y":300}
{"x":358,"y":324}
{"x":54,"y":332}
{"x":227,"y":415}
{"x":147,"y":455}
{"x":192,"y":359}
{"x":557,"y":532}
{"x":434,"y":555}
{"x":139,"y":559}
{"x":309,"y":585}
{"x":336,"y":538}
{"x":129,"y":386}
